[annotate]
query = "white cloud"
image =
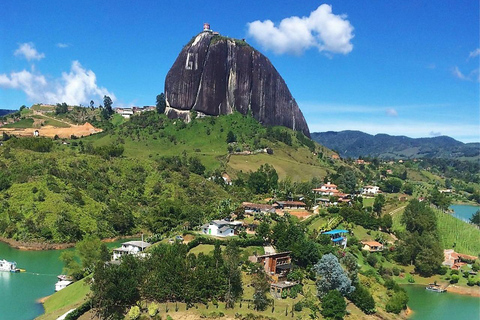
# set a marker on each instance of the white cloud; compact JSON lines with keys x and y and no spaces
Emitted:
{"x":79,"y":86}
{"x":391,"y":112}
{"x":474,"y":75}
{"x":63,"y":45}
{"x":435,"y":134}
{"x":457,"y":73}
{"x":324,"y":30}
{"x":28,"y":51}
{"x":24,"y":80}
{"x":474,"y":53}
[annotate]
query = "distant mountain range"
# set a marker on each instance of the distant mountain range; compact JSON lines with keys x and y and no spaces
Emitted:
{"x":356,"y":144}
{"x":4,"y":112}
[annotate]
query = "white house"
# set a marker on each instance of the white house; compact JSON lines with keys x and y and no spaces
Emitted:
{"x":370,"y":190}
{"x":328,"y":189}
{"x":221,"y":228}
{"x":130,"y":247}
{"x":125,"y":112}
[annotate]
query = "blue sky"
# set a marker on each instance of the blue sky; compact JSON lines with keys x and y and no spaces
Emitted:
{"x":403,"y":68}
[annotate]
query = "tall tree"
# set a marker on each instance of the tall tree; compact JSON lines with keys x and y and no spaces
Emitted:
{"x":331,"y":276}
{"x":107,"y":103}
{"x":115,"y":288}
{"x":378,"y":204}
{"x":261,"y":285}
{"x":161,"y":104}
{"x":232,"y":274}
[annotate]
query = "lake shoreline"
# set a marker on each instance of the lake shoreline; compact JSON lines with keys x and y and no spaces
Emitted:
{"x":35,"y":246}
{"x":473,"y":291}
{"x":41,"y":246}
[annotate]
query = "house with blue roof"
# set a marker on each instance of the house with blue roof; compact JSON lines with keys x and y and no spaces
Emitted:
{"x":338,"y":237}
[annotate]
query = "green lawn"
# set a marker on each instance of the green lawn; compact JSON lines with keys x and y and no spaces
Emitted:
{"x":64,"y":300}
{"x":22,"y":124}
{"x":368,"y":202}
{"x":245,"y":252}
{"x":202,"y":248}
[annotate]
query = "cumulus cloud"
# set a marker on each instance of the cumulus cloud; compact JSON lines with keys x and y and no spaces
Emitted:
{"x":474,"y":53}
{"x":322,"y":29}
{"x":435,"y":133}
{"x":28,"y":51}
{"x":391,"y":112}
{"x":24,"y":80}
{"x":78,"y":86}
{"x":63,"y":45}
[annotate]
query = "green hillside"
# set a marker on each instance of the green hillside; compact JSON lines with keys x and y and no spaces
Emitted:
{"x":150,"y":174}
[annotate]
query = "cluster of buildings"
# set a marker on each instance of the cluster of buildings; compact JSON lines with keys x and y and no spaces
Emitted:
{"x":328,"y":190}
{"x":456,"y":261}
{"x":128,"y":112}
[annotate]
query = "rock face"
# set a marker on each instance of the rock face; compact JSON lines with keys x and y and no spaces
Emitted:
{"x":215,"y":75}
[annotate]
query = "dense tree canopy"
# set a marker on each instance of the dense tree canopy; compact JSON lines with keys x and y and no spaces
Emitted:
{"x":420,"y":244}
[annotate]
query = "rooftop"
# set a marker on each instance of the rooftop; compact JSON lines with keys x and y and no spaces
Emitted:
{"x":336,"y":231}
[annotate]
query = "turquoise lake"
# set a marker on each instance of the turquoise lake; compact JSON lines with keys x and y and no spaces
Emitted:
{"x":428,"y":305}
{"x":19,"y":292}
{"x":464,"y":212}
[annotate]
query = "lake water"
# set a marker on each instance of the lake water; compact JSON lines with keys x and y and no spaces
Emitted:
{"x":428,"y":305}
{"x":464,"y":212}
{"x":20,"y":291}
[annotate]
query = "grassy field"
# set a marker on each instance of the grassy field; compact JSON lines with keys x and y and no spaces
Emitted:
{"x":23,"y":123}
{"x":65,"y":300}
{"x":117,"y":119}
{"x":299,"y":164}
{"x":55,"y":123}
{"x":465,"y":236}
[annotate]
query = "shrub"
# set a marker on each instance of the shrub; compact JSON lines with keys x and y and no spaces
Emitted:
{"x":372,"y":259}
{"x":396,"y":271}
{"x":397,"y":302}
{"x":298,"y":306}
{"x":454,"y":278}
{"x":134,"y":313}
{"x":153,"y":309}
{"x":363,"y":299}
{"x":471,"y":282}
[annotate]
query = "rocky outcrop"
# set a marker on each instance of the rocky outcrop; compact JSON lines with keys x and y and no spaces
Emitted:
{"x":216,"y":75}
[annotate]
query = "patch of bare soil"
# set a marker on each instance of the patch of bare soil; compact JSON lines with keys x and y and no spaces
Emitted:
{"x":49,"y":131}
